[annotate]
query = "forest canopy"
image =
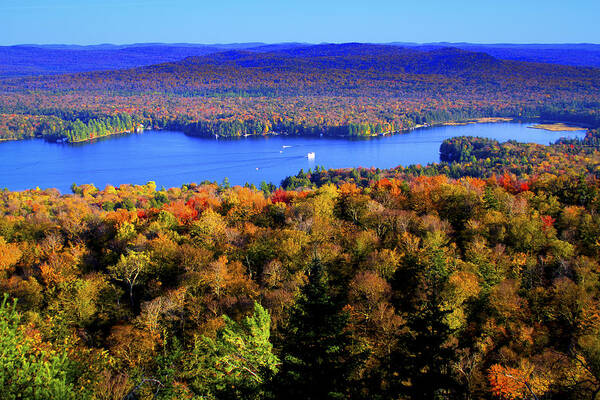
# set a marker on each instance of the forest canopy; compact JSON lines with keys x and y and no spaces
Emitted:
{"x":477,"y":277}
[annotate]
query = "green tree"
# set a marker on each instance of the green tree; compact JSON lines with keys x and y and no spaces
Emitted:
{"x":238,"y":363}
{"x":26,"y":372}
{"x":316,"y":362}
{"x":420,"y":366}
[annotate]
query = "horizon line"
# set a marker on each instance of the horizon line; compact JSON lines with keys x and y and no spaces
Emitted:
{"x":259,"y":43}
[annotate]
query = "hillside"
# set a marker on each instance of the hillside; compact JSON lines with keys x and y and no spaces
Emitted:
{"x":31,"y":59}
{"x":582,"y":54}
{"x":347,"y":89}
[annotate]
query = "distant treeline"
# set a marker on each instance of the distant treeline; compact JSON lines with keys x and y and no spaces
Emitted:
{"x":586,"y":114}
{"x":58,"y":125}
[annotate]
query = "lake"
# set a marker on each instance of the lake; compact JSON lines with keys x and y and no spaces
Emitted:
{"x":172,"y":158}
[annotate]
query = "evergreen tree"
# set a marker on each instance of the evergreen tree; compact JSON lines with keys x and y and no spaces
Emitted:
{"x":27,"y":369}
{"x":316,"y":361}
{"x":238,"y":363}
{"x":420,"y":366}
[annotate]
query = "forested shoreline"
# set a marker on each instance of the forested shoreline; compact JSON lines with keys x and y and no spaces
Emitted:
{"x":331,"y":90}
{"x":89,"y":127}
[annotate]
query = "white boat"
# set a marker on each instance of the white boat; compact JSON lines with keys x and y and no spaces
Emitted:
{"x":285,"y":147}
{"x":311,"y":155}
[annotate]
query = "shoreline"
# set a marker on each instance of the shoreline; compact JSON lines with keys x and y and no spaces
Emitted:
{"x":96,"y":137}
{"x":558,"y":127}
{"x":483,"y":120}
{"x":553,"y":126}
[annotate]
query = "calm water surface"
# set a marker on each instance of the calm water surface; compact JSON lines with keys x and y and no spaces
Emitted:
{"x":172,"y":158}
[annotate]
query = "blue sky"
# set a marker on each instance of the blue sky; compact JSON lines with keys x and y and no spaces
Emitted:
{"x":226,"y":21}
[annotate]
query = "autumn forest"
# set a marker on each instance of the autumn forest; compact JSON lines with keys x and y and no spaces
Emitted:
{"x":476,"y":277}
{"x":347,"y":90}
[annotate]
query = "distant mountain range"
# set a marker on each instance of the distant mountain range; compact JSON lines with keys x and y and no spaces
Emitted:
{"x":28,"y":60}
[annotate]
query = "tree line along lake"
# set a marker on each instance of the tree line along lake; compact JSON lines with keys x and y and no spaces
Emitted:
{"x":172,"y":158}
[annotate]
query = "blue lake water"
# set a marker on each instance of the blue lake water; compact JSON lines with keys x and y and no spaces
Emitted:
{"x":172,"y":158}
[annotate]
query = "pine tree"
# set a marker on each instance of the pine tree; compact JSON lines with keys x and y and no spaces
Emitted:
{"x":420,"y":366}
{"x":238,"y":363}
{"x":30,"y":370}
{"x":316,"y":362}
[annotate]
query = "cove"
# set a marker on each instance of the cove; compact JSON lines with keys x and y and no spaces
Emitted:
{"x":173,"y":158}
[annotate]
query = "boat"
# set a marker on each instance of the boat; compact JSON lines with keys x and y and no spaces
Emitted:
{"x":285,"y":146}
{"x":311,"y":155}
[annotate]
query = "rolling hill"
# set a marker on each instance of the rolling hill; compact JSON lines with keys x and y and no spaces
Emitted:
{"x":331,"y":89}
{"x":28,"y":60}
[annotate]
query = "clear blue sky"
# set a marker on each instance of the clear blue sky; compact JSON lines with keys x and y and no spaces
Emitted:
{"x":226,"y":21}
